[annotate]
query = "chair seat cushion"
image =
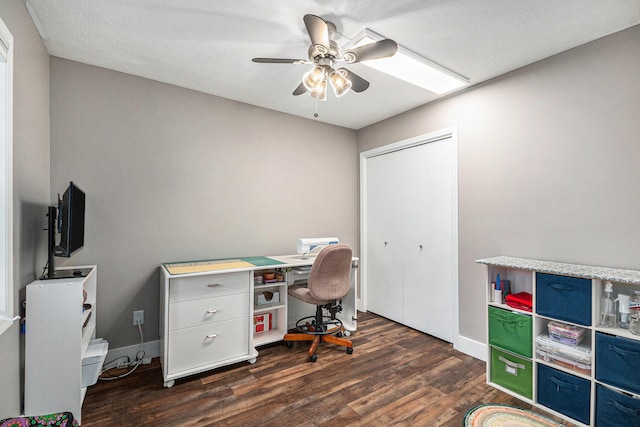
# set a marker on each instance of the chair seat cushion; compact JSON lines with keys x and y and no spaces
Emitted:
{"x":302,"y":293}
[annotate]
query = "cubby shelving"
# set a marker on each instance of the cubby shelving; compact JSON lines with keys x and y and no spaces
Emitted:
{"x":600,"y":383}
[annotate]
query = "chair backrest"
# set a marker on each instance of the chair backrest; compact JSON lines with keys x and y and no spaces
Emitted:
{"x":330,"y":275}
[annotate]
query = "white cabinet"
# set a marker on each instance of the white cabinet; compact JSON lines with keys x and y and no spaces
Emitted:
{"x":209,"y":319}
{"x":533,"y":355}
{"x":205,"y":322}
{"x":58,"y":332}
{"x":410,"y":236}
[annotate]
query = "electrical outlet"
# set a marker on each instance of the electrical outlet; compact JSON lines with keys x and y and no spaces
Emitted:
{"x":138,"y":317}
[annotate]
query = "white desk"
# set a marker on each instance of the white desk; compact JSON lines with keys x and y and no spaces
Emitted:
{"x":207,"y":310}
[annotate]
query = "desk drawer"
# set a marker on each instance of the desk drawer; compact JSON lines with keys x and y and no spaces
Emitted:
{"x":207,"y":286}
{"x":208,"y":344}
{"x":206,"y":311}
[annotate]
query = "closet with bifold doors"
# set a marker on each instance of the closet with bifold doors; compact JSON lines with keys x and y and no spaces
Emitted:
{"x":409,"y":232}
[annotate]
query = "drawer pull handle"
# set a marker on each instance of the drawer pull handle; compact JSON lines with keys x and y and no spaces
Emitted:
{"x":620,"y":407}
{"x":211,"y":336}
{"x":212,"y":311}
{"x":561,"y":287}
{"x":510,"y":324}
{"x":622,"y":351}
{"x":213,"y":285}
{"x":511,"y":367}
{"x":560,"y":383}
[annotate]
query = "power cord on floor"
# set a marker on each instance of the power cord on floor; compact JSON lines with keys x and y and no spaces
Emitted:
{"x":139,"y":358}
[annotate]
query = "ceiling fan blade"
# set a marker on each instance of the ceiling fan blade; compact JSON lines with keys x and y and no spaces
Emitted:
{"x":380,"y":49}
{"x":280,"y":61}
{"x":300,"y":90}
{"x":358,"y":84}
{"x":318,"y":31}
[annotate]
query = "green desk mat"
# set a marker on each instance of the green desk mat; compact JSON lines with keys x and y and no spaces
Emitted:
{"x":261,"y":261}
{"x":219,"y":264}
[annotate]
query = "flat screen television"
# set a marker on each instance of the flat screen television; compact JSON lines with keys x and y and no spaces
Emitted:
{"x":70,"y":221}
{"x":66,"y":219}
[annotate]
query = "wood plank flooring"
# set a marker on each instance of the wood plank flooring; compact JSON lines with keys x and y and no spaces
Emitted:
{"x":395,"y":376}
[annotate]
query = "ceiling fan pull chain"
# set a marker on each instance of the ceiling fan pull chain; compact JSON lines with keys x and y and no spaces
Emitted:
{"x":316,"y":113}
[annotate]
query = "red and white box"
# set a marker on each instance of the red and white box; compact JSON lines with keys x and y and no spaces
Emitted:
{"x":262,"y":322}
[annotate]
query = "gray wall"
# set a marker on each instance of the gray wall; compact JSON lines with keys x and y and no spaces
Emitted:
{"x":549,"y":161}
{"x":171,"y":174}
{"x":30,"y":181}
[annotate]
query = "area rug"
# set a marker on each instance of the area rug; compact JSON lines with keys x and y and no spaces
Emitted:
{"x":505,"y":416}
{"x":63,"y":419}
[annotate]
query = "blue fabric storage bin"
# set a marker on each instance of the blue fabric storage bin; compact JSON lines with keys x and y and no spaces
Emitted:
{"x":564,"y":298}
{"x":564,"y":393}
{"x":618,"y":362}
{"x":614,"y":409}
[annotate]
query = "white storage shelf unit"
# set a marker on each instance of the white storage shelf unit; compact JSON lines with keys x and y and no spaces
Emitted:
{"x":57,"y":342}
{"x":277,"y":310}
{"x":606,"y":394}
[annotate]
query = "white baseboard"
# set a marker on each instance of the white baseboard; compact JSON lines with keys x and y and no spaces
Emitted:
{"x":472,"y":348}
{"x":151,"y":349}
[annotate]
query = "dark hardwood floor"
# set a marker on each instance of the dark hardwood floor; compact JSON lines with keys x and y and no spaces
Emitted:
{"x":395,"y":376}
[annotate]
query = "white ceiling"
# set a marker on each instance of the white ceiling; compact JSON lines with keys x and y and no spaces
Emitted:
{"x":207,"y":45}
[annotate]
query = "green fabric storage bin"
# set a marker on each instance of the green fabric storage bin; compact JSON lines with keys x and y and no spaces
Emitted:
{"x":511,"y":331}
{"x":512,"y":372}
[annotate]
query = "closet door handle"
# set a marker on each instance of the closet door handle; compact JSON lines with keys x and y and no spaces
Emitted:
{"x":213,"y":285}
{"x":211,"y":336}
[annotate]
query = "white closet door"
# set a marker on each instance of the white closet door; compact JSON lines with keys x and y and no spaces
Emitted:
{"x":428,"y":233}
{"x":384,"y":243}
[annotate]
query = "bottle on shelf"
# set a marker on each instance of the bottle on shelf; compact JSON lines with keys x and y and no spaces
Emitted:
{"x":623,"y":310}
{"x":608,"y":310}
{"x":634,"y":310}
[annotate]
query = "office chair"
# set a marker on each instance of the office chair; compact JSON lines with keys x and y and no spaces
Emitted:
{"x":329,"y":281}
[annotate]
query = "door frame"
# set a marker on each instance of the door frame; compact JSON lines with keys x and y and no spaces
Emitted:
{"x":446,"y":133}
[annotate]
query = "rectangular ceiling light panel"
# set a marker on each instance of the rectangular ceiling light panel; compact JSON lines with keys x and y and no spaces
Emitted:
{"x":410,"y":67}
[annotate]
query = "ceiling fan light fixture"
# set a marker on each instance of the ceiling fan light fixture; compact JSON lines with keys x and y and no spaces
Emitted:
{"x":314,"y":78}
{"x":339,"y":82}
{"x":320,"y":92}
{"x":410,"y":67}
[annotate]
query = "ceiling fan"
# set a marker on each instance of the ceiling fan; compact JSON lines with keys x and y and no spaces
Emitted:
{"x":324,"y":53}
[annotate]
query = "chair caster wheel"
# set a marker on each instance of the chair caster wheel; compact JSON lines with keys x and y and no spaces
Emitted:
{"x":349,"y":350}
{"x":339,"y":334}
{"x":313,"y":358}
{"x":289,"y":344}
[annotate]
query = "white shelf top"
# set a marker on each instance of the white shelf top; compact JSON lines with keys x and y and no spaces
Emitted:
{"x":574,"y":270}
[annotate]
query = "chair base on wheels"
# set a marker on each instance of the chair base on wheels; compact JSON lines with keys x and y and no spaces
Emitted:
{"x":330,"y":331}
